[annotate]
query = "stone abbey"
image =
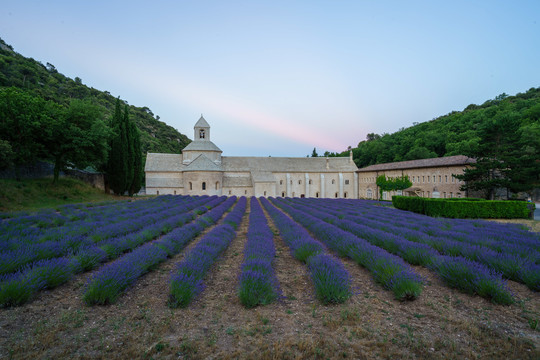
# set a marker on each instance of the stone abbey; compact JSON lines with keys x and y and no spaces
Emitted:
{"x":202,"y":170}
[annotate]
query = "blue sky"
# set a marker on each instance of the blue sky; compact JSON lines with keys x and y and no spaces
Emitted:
{"x":281,"y":77}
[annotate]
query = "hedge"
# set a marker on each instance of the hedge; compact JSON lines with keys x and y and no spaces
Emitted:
{"x":464,"y":208}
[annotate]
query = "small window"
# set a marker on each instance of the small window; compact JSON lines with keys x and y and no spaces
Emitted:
{"x":204,"y":185}
{"x":458,"y":195}
{"x":217,"y":185}
{"x":452,"y":177}
{"x":245,"y":192}
{"x":317,"y":194}
{"x":299,"y":182}
{"x":174,"y":192}
{"x":265,"y":193}
{"x":157,"y":192}
{"x":336,"y":195}
{"x":280,"y":182}
{"x":201,"y":134}
{"x":451,"y":194}
{"x":190,"y":186}
{"x":310,"y":182}
{"x":346,"y":182}
{"x":229,"y":192}
{"x":282,"y":194}
{"x":345,"y":194}
{"x":333,"y":181}
{"x":446,"y":178}
{"x":291,"y":182}
{"x":434,"y":179}
{"x":302,"y":195}
{"x":444,"y":195}
{"x":440,"y":177}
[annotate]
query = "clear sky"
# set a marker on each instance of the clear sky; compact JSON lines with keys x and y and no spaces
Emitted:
{"x":281,"y":77}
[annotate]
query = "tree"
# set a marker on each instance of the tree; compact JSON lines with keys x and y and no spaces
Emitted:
{"x":314,"y":153}
{"x":129,"y":150}
{"x":117,"y":161}
{"x":137,"y":165}
{"x":20,"y":125}
{"x":75,"y":136}
{"x":507,"y":156}
{"x":389,"y":184}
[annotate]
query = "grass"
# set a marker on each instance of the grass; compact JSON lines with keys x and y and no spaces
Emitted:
{"x":34,"y":194}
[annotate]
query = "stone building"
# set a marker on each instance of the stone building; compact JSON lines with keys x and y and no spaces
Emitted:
{"x":430,"y":177}
{"x":202,"y":170}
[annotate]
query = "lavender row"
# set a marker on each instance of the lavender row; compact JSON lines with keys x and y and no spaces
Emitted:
{"x":105,"y":286}
{"x":13,"y":260}
{"x":187,"y":279}
{"x":456,"y":271}
{"x":331,"y":281}
{"x":258,"y":283}
{"x":499,"y":237}
{"x":18,"y":287}
{"x":415,"y":247}
{"x":387,"y":269}
{"x":93,"y":226}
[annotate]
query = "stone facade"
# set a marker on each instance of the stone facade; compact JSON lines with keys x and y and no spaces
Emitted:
{"x":202,"y":170}
{"x":429,"y":177}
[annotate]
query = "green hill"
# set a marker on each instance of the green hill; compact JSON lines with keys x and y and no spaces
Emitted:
{"x":47,"y":82}
{"x":456,"y":133}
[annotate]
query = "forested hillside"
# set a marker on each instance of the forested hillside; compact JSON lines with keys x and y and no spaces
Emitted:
{"x":457,"y":133}
{"x":47,"y":82}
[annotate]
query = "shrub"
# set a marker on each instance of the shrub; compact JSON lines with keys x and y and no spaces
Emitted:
{"x":463,"y":208}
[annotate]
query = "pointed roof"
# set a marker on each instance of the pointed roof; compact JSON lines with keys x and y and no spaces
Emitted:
{"x":202,"y":163}
{"x":201,"y":123}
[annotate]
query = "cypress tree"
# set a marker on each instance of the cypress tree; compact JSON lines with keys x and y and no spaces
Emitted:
{"x":117,"y":163}
{"x":130,"y":155}
{"x":137,"y":165}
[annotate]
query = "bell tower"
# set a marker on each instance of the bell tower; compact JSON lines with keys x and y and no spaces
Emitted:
{"x":202,"y":130}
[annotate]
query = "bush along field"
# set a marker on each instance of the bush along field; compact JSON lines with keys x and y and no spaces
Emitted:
{"x":193,"y":277}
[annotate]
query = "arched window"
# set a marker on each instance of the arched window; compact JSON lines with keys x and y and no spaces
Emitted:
{"x":204,"y":185}
{"x":345,"y":194}
{"x":310,"y":182}
{"x":336,"y":195}
{"x":201,"y":134}
{"x":265,"y":193}
{"x":157,"y":192}
{"x":190,"y":186}
{"x":282,"y":194}
{"x":280,"y":182}
{"x":317,"y":194}
{"x":229,"y":192}
{"x":291,"y":182}
{"x":217,"y":185}
{"x":174,"y":192}
{"x":245,"y":192}
{"x":299,"y":182}
{"x":369,"y":194}
{"x":333,"y":181}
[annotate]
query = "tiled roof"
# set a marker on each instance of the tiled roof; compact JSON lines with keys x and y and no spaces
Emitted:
{"x":163,"y":162}
{"x":202,"y":163}
{"x":262,"y":176}
{"x":284,"y":164}
{"x":201,"y":123}
{"x":201,"y":145}
{"x":422,"y":163}
{"x":237,"y":181}
{"x":163,"y":182}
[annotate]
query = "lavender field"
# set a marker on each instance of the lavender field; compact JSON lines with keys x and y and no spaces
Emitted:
{"x":192,"y":277}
